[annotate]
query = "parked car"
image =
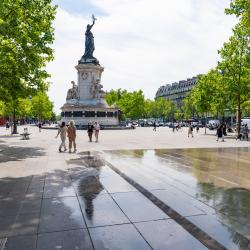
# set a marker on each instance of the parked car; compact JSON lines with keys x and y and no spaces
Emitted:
{"x":213,"y":124}
{"x":122,"y":124}
{"x":246,"y":121}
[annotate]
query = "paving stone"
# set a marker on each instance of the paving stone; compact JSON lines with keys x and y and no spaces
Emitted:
{"x":219,"y":231}
{"x":183,"y":208}
{"x":58,"y":188}
{"x":115,"y":184}
{"x":122,"y":237}
{"x":9,"y":206}
{"x":5,"y":225}
{"x":167,"y":234}
{"x":67,"y":240}
{"x":101,"y":210}
{"x":137,"y":207}
{"x":25,"y":224}
{"x":20,"y":243}
{"x":60,"y":214}
{"x":30,"y":205}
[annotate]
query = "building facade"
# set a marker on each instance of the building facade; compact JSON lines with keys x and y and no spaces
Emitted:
{"x":177,"y":91}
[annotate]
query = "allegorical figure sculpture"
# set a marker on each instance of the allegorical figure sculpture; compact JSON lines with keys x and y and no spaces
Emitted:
{"x":73,"y":93}
{"x":96,"y":89}
{"x":89,"y":45}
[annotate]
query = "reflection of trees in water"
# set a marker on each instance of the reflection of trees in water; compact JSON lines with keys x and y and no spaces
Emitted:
{"x":89,"y":185}
{"x":131,"y":153}
{"x":232,"y":206}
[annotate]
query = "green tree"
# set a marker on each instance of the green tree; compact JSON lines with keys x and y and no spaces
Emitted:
{"x":113,"y":96}
{"x":188,"y":107}
{"x":148,"y":108}
{"x":41,"y":106}
{"x":162,"y":108}
{"x":26,"y":35}
{"x":202,"y":96}
{"x":132,"y":104}
{"x":236,"y":57}
{"x":246,"y":108}
{"x":235,"y":63}
{"x":241,"y":9}
{"x":23,"y":108}
{"x":1,"y":108}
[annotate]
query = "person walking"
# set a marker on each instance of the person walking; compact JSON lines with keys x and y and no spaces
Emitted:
{"x":197,"y":128}
{"x":72,"y":135}
{"x":40,"y":126}
{"x":190,"y":130}
{"x":63,"y":134}
{"x":220,"y":133}
{"x":96,"y":131}
{"x":7,"y":125}
{"x":154,"y":125}
{"x":90,"y":129}
{"x":245,"y":132}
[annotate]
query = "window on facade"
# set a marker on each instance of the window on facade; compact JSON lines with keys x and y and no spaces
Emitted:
{"x":89,"y":113}
{"x":110,"y":114}
{"x":68,"y":114}
{"x":101,"y":114}
{"x":62,"y":114}
{"x":77,"y":114}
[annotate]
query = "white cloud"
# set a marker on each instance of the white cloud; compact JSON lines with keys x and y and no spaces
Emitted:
{"x":142,"y":44}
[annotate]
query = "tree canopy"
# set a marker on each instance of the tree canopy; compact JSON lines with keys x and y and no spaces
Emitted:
{"x":26,"y":35}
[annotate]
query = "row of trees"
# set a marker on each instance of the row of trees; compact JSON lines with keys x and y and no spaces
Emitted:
{"x":39,"y":107}
{"x":134,"y":105}
{"x":227,"y":86}
{"x":26,"y":35}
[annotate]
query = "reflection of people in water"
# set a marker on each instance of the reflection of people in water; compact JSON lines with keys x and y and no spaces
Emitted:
{"x":90,"y":186}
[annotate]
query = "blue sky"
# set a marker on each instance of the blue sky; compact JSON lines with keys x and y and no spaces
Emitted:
{"x":79,"y":7}
{"x":142,"y":44}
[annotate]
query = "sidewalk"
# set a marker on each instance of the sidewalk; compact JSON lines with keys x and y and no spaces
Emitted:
{"x":99,"y":199}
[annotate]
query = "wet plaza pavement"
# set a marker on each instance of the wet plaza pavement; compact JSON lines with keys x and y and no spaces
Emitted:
{"x":127,"y":199}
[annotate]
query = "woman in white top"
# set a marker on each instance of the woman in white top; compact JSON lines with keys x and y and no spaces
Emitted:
{"x":96,"y":129}
{"x":63,"y":134}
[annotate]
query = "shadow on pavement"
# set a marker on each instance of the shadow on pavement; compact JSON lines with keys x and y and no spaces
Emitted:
{"x":15,"y":153}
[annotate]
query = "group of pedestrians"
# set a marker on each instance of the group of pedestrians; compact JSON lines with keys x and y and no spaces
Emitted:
{"x":93,"y":129}
{"x":70,"y":131}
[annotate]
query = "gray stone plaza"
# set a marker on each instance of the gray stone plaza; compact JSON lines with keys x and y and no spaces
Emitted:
{"x":135,"y":189}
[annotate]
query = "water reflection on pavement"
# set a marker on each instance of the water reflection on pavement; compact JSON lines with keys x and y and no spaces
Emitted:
{"x":208,"y":186}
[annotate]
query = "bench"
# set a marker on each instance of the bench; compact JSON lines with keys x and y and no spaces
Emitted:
{"x":25,"y":136}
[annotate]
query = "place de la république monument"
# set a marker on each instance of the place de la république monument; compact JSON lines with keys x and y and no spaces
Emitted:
{"x":85,"y":101}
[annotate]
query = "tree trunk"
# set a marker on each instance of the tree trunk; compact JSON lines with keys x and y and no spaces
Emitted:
{"x":14,"y":123}
{"x":238,"y":119}
{"x":205,"y":124}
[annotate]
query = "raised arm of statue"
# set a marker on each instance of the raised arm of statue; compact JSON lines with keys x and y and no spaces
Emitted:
{"x":93,"y":22}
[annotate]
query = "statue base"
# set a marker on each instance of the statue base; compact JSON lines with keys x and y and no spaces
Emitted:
{"x":91,"y":105}
{"x":82,"y":114}
{"x":91,"y":60}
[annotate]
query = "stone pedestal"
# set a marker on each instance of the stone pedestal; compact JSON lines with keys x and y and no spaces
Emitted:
{"x":90,"y":104}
